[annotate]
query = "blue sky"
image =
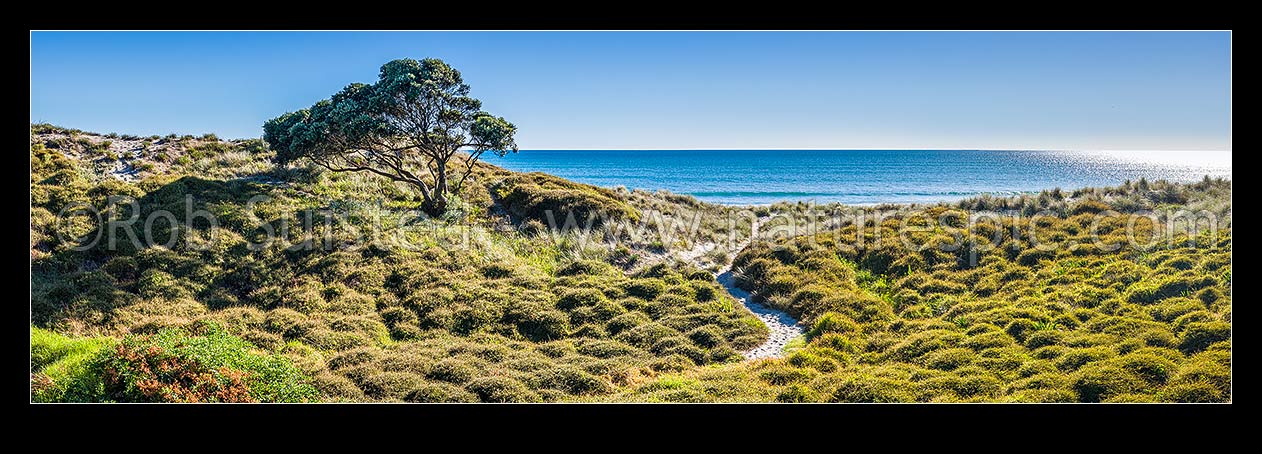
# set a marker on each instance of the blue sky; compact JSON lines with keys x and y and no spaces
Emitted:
{"x":636,"y":90}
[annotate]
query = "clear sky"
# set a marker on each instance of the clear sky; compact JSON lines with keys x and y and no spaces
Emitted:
{"x":637,"y":90}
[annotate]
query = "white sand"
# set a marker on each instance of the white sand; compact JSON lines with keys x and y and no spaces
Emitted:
{"x":783,"y":327}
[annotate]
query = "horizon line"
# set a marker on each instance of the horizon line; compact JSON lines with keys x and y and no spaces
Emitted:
{"x":879,"y":149}
{"x":34,"y":122}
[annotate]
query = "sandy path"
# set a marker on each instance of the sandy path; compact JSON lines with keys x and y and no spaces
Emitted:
{"x":784,"y":328}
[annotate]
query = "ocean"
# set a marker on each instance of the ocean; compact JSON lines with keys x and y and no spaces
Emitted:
{"x":861,"y":177}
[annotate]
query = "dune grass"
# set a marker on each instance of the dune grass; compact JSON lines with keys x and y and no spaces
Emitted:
{"x":889,"y":323}
{"x":484,"y":304}
{"x":383,"y":306}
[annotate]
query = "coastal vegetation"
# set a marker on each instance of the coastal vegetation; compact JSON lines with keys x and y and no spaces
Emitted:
{"x":1071,"y":311}
{"x":410,"y":126}
{"x":237,"y":280}
{"x":372,"y":305}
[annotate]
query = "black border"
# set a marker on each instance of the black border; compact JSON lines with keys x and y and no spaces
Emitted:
{"x":638,"y":16}
{"x":789,"y":424}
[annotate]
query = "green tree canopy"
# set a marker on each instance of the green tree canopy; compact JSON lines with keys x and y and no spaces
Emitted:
{"x":416,"y":125}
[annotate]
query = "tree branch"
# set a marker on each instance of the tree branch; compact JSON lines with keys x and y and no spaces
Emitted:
{"x":470,"y":161}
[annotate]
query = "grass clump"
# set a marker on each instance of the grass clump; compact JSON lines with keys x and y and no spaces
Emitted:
{"x":172,"y":365}
{"x":535,"y":196}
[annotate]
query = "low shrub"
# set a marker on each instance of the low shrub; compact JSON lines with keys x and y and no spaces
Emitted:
{"x":451,"y":370}
{"x":645,"y":288}
{"x":1194,"y":391}
{"x":501,"y":389}
{"x":1200,"y":335}
{"x":1097,"y":383}
{"x":175,"y":365}
{"x":832,"y":322}
{"x":708,"y":336}
{"x":1153,"y":369}
{"x":869,"y":388}
{"x":538,"y":197}
{"x":545,"y":325}
{"x":570,"y":380}
{"x":440,"y":393}
{"x":391,"y":386}
{"x":627,"y":320}
{"x":63,"y":368}
{"x":949,"y":359}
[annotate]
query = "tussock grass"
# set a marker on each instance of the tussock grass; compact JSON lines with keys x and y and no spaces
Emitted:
{"x":484,"y":304}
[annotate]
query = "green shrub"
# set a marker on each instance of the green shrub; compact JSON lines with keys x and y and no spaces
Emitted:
{"x":63,"y":369}
{"x":1131,"y":398}
{"x":451,"y":370}
{"x":672,"y":363}
{"x":972,"y":386}
{"x":708,"y":336}
{"x":723,"y":354}
{"x":501,"y":389}
{"x":645,"y":288}
{"x":327,"y":339}
{"x":179,"y":366}
{"x":1200,"y":335}
{"x":287,"y":322}
{"x":836,"y":342}
{"x":832,"y":322}
{"x":1077,"y":357}
{"x":868,"y":388}
{"x":590,"y":330}
{"x":1151,"y":368}
{"x":626,"y":321}
{"x":440,"y":393}
{"x":544,"y":326}
{"x":585,"y":267}
{"x":570,"y":380}
{"x":1044,"y":396}
{"x":781,"y":374}
{"x":1031,"y":257}
{"x":797,"y":393}
{"x":533,"y":196}
{"x":1210,"y":295}
{"x":646,"y":335}
{"x":605,"y":349}
{"x":1148,"y":292}
{"x":393,"y":316}
{"x":987,"y":340}
{"x":1090,"y":207}
{"x":497,"y":271}
{"x":1195,"y":391}
{"x":585,"y":297}
{"x":337,"y":387}
{"x":390,"y":385}
{"x":1020,"y":328}
{"x":818,"y":358}
{"x":557,"y":349}
{"x":1097,"y":383}
{"x":919,"y":344}
{"x":949,"y":359}
{"x":1043,"y":338}
{"x":692,"y":352}
{"x":1199,"y":369}
{"x":706,"y":293}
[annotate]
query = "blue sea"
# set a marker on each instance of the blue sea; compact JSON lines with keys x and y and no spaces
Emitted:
{"x":861,"y":177}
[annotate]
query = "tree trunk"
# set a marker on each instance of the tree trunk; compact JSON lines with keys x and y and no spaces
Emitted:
{"x":437,"y":204}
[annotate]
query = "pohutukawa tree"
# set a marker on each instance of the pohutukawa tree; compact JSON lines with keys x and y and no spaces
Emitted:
{"x":416,"y":125}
